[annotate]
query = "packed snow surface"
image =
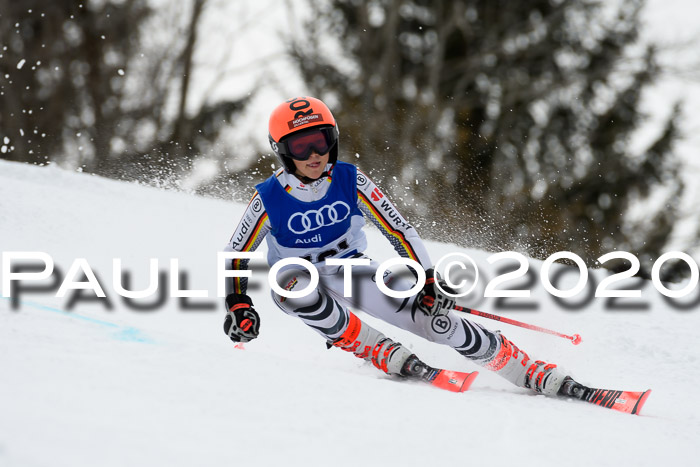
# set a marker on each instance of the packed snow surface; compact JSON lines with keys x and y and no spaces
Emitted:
{"x":87,"y":382}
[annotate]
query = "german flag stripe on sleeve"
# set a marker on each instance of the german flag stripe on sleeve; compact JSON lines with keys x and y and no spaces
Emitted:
{"x":247,"y":247}
{"x":237,"y":285}
{"x":255,"y":232}
{"x":388,"y":229}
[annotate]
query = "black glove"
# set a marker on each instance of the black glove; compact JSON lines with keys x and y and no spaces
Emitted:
{"x":242,"y":322}
{"x":431,"y":300}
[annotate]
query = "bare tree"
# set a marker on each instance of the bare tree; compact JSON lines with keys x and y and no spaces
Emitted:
{"x":105,"y":85}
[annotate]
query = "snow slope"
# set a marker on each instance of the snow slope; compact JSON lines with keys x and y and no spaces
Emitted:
{"x":119,"y":386}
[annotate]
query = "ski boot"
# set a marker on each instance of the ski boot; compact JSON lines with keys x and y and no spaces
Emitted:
{"x":515,"y":366}
{"x":367,"y":343}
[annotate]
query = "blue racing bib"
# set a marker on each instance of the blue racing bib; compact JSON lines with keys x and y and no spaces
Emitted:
{"x":310,"y":225}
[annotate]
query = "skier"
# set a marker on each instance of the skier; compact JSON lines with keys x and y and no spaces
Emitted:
{"x":313,"y":208}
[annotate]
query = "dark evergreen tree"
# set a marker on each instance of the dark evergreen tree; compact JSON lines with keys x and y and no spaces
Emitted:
{"x":504,"y":125}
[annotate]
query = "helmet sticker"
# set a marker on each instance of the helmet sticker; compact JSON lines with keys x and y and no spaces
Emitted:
{"x":302,"y":116}
{"x":304,"y":120}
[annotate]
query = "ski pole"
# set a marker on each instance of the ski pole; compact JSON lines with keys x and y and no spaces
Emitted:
{"x":575,"y":339}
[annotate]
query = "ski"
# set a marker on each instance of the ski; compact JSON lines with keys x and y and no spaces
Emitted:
{"x":455,"y":381}
{"x":622,"y":401}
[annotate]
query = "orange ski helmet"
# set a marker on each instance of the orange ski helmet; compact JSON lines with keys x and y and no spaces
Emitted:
{"x":299,"y":125}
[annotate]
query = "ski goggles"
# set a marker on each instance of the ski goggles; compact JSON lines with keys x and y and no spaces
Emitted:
{"x":300,"y":145}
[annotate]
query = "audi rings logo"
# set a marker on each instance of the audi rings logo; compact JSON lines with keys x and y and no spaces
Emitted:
{"x":313,"y":219}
